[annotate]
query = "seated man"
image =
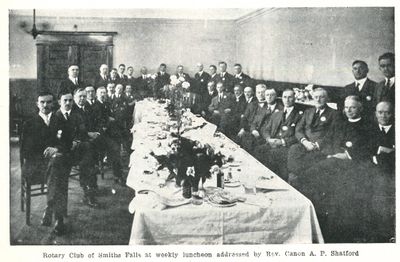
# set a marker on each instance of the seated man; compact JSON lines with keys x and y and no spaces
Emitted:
{"x":206,"y":99}
{"x":310,"y":131}
{"x":41,"y":150}
{"x":279,"y":136}
{"x":87,"y":174}
{"x":257,"y":117}
{"x":200,"y":81}
{"x":240,"y":77}
{"x":110,"y":92}
{"x":338,"y":184}
{"x":105,"y":143}
{"x":249,"y":95}
{"x":221,"y":109}
{"x":90,"y":95}
{"x":239,"y":107}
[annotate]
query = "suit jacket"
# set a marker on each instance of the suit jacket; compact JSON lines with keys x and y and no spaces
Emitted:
{"x":119,"y":106}
{"x":37,"y":136}
{"x":122,"y":80}
{"x":162,"y":80}
{"x":386,"y":161}
{"x":366,"y":95}
{"x":101,"y":112}
{"x":68,"y":86}
{"x":226,"y":102}
{"x":131,"y":81}
{"x":100,"y":81}
{"x":249,"y":114}
{"x":262,"y":118}
{"x":279,"y":128}
{"x":228,"y":81}
{"x":214,"y":78}
{"x":243,"y":80}
{"x":200,"y":83}
{"x":383,"y":93}
{"x":143,"y":86}
{"x":351,"y":137}
{"x":315,"y":130}
{"x":87,"y":115}
{"x":73,"y":129}
{"x":239,"y":106}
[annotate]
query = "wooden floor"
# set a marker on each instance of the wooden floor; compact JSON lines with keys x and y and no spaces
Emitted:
{"x":109,"y":224}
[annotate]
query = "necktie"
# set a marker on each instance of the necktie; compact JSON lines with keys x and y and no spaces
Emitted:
{"x":76,"y":81}
{"x":219,"y":98}
{"x":315,"y":117}
{"x":383,"y":131}
{"x":47,"y":120}
{"x":358,"y":85}
{"x":284,"y":115}
{"x":66,"y":116}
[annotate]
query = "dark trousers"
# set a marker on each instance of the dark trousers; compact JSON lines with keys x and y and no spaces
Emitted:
{"x":55,"y":171}
{"x":83,"y":155}
{"x":299,"y":159}
{"x":274,"y":159}
{"x":103,"y":144}
{"x":249,"y":142}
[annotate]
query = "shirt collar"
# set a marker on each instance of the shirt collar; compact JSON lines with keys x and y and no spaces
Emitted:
{"x":361,"y":82}
{"x":45,"y":117}
{"x":272,"y":107}
{"x":63,"y":111}
{"x":73,"y":79}
{"x":387,"y":128}
{"x":289,"y":110}
{"x":238,"y":97}
{"x":392,"y":80}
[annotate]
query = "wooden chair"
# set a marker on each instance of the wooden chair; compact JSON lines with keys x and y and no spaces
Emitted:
{"x":31,"y":186}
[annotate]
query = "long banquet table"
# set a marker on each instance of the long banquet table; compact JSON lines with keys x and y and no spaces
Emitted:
{"x":275,"y":213}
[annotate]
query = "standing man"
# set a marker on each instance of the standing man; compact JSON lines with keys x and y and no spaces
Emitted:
{"x":162,"y":79}
{"x":122,"y":78}
{"x":279,"y":135}
{"x":142,"y":83}
{"x":310,"y":131}
{"x":130,"y":79}
{"x":182,"y":76}
{"x":114,"y":76}
{"x":239,"y":107}
{"x":207,"y":97}
{"x":225,"y":77}
{"x":385,"y":90}
{"x":72,"y":82}
{"x":42,"y":155}
{"x":102,"y":78}
{"x":213,"y":74}
{"x":201,"y":79}
{"x":240,"y":77}
{"x":362,"y":87}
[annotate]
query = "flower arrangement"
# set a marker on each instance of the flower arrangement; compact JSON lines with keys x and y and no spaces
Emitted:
{"x":303,"y":95}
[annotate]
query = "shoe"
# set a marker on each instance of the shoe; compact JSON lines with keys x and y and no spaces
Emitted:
{"x":47,"y":218}
{"x":59,"y":228}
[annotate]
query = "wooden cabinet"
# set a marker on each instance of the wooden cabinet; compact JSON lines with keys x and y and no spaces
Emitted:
{"x":57,"y":50}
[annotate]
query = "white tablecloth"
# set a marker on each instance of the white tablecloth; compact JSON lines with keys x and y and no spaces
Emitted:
{"x":276,"y":214}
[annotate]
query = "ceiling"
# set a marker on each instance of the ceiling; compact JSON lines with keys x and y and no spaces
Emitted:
{"x":166,"y":13}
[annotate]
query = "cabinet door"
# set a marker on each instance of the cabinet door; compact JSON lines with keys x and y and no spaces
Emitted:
{"x":91,"y":57}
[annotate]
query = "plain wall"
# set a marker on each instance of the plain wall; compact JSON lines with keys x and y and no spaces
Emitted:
{"x":139,"y":42}
{"x":314,"y":45}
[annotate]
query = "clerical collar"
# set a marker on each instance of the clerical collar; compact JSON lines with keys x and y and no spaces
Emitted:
{"x":354,"y":120}
{"x":361,"y":82}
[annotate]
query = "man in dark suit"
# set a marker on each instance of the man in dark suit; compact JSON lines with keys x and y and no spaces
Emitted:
{"x":363,"y":87}
{"x":143,"y":83}
{"x":162,"y":79}
{"x":221,"y":108}
{"x":201,"y":79}
{"x":224,"y":77}
{"x":310,"y":131}
{"x":213,"y":74}
{"x":239,"y":107}
{"x":102,"y":78}
{"x":110,"y":92}
{"x":181,"y":75}
{"x":339,"y":185}
{"x":90,"y":95}
{"x":105,"y":143}
{"x":119,"y":106}
{"x":114,"y":76}
{"x":279,"y":135}
{"x":206,"y":99}
{"x":240,"y":77}
{"x":42,"y":152}
{"x":72,"y":82}
{"x":122,"y":78}
{"x":130,"y":78}
{"x":385,"y":90}
{"x":383,"y":173}
{"x":87,"y":175}
{"x":256,"y":118}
